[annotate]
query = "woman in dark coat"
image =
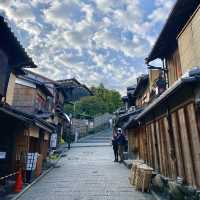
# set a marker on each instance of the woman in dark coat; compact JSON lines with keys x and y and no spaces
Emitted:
{"x":121,"y":144}
{"x":115,"y":145}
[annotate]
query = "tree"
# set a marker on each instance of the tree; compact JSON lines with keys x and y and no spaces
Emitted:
{"x":103,"y":101}
{"x":91,"y":106}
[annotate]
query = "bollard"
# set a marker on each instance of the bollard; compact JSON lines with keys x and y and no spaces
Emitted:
{"x":19,"y":182}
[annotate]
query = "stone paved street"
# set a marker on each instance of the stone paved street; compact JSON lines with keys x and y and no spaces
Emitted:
{"x":86,"y":173}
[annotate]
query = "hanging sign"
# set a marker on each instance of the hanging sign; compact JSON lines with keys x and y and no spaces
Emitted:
{"x":2,"y":155}
{"x":53,"y":142}
{"x":31,"y":160}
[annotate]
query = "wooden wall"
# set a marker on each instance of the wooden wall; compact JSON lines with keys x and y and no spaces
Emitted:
{"x":10,"y":89}
{"x":41,"y":103}
{"x":153,"y":76}
{"x":80,"y":126}
{"x":143,"y":99}
{"x":24,"y":98}
{"x":171,"y":144}
{"x":189,"y":43}
{"x":22,"y":148}
{"x":174,"y":66}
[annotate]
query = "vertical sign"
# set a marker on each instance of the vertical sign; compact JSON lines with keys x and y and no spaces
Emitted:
{"x":53,"y":141}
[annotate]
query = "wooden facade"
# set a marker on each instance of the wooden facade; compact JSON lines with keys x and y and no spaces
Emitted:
{"x":7,"y":143}
{"x":144,"y":98}
{"x":10,"y":89}
{"x":184,"y":55}
{"x":170,"y":143}
{"x":29,"y":97}
{"x":13,"y":59}
{"x":189,"y":43}
{"x":24,"y":98}
{"x":142,"y":91}
{"x":167,"y":133}
{"x":174,"y":66}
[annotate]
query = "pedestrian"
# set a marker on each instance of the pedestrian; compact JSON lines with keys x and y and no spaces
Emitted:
{"x":69,"y":139}
{"x":115,"y":145}
{"x":121,"y":144}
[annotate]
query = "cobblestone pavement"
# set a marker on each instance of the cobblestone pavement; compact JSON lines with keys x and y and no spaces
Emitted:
{"x":101,"y":137}
{"x":86,"y":173}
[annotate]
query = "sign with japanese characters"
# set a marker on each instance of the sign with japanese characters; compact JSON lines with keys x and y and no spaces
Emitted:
{"x":53,"y":142}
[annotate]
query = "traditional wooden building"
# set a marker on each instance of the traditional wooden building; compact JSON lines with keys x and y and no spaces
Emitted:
{"x":32,"y":96}
{"x":74,"y":89}
{"x":166,"y":134}
{"x":46,"y":100}
{"x":62,"y":119}
{"x":13,"y":60}
{"x":35,"y":100}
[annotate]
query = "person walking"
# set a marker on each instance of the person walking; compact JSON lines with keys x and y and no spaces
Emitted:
{"x":115,"y":145}
{"x":121,"y":144}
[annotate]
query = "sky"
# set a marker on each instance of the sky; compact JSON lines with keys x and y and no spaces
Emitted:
{"x":95,"y":41}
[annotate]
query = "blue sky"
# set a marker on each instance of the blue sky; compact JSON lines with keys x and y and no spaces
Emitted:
{"x":95,"y":41}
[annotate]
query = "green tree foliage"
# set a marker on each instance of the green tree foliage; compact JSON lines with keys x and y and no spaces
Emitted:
{"x":91,"y":106}
{"x":103,"y":101}
{"x":69,"y":108}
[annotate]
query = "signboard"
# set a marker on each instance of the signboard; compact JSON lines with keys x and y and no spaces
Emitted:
{"x":53,"y":142}
{"x":31,"y":161}
{"x":5,"y":71}
{"x":91,"y":125}
{"x":2,"y":155}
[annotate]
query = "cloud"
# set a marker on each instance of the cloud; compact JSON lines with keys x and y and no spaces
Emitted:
{"x":17,"y":11}
{"x":96,"y":41}
{"x":161,"y":12}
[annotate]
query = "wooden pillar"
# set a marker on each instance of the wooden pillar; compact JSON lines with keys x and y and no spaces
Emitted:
{"x":155,"y":146}
{"x":159,"y":147}
{"x":187,"y":154}
{"x":170,"y":150}
{"x":165,"y":156}
{"x":149,"y":153}
{"x":178,"y":146}
{"x":151,"y":147}
{"x":195,"y":143}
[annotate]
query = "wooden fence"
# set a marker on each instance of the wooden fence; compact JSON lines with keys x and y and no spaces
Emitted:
{"x":171,"y":144}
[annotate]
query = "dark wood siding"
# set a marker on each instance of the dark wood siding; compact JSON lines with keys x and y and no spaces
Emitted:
{"x":174,"y":66}
{"x":171,"y":144}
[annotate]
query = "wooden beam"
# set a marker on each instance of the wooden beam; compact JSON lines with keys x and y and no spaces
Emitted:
{"x":189,"y":170}
{"x":170,"y":150}
{"x":159,"y":147}
{"x":195,"y":143}
{"x":178,"y":146}
{"x":155,"y":147}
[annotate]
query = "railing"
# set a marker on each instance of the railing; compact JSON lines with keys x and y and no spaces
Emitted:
{"x":7,"y":176}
